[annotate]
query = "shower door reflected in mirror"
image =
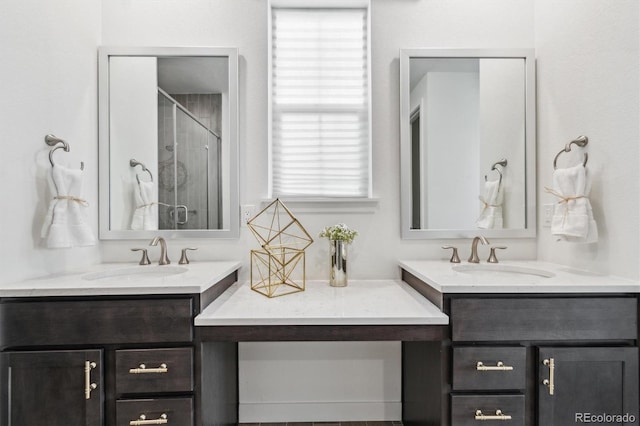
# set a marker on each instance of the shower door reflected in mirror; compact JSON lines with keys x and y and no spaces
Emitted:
{"x":168,"y":142}
{"x":189,"y":161}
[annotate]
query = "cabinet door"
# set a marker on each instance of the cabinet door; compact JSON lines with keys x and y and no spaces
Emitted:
{"x":578,"y":385}
{"x":49,"y":388}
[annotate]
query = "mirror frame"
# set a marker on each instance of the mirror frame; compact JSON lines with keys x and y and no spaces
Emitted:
{"x":529,"y":231}
{"x":104,"y":53}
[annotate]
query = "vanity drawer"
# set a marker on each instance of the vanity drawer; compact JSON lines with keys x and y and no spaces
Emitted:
{"x":467,"y":410}
{"x":501,"y":368}
{"x":87,"y":322}
{"x":559,"y":318}
{"x":176,"y":412}
{"x":154,"y":370}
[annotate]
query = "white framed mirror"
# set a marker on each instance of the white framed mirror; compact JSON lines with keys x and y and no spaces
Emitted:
{"x":467,"y":143}
{"x":168,"y":142}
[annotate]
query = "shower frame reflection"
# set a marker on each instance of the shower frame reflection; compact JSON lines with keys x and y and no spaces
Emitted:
{"x":192,"y":184}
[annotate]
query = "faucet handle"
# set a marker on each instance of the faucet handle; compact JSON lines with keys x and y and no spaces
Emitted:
{"x":454,"y":254}
{"x":145,"y":257}
{"x":164,"y":259}
{"x":183,"y":258}
{"x":492,"y":254}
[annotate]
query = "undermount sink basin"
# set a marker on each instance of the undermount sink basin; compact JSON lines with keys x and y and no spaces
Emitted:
{"x":493,"y":269}
{"x":135,"y":273}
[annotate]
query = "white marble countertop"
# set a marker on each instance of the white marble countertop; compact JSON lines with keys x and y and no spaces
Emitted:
{"x":514,"y":277}
{"x":362,"y":302}
{"x":113,"y":279}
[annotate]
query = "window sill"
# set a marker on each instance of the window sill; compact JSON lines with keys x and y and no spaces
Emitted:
{"x":329,"y":205}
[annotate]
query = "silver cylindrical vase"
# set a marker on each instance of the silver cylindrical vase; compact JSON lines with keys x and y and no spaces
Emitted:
{"x":338,"y":249}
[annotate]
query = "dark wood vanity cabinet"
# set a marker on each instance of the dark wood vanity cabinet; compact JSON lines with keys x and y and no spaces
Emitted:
{"x":545,"y":360}
{"x":106,"y":361}
{"x":588,"y":382}
{"x":110,"y":361}
{"x":52,"y":388}
{"x":582,"y":351}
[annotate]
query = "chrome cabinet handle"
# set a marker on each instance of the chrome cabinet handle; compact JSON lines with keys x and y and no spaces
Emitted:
{"x":142,"y":369}
{"x":550,"y":381}
{"x":498,"y":416}
{"x":142,"y":420}
{"x":498,"y":367}
{"x":88,"y":386}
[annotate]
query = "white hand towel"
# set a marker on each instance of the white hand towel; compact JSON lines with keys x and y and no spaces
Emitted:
{"x":145,"y":215}
{"x":491,"y":213}
{"x":64,"y":225}
{"x":572,"y":215}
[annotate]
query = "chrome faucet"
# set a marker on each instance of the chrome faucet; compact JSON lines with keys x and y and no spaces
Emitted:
{"x":164,"y":260}
{"x":474,"y":248}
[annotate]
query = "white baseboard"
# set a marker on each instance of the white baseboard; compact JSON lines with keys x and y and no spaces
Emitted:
{"x":319,"y":412}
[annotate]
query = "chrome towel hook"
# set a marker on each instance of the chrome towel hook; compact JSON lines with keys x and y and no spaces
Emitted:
{"x":57,"y":143}
{"x":502,"y":162}
{"x":133,"y":163}
{"x":580,"y":141}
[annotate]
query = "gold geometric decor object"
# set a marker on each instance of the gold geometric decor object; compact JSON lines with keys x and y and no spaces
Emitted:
{"x":275,"y":276}
{"x":279,"y":267}
{"x":275,"y":226}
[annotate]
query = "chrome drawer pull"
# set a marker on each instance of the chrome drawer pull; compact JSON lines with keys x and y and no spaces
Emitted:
{"x":88,"y":386}
{"x":497,"y":416}
{"x":550,"y":381}
{"x":498,"y":367}
{"x":142,"y":369}
{"x":142,"y":420}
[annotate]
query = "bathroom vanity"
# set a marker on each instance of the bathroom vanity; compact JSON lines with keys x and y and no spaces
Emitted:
{"x":113,"y":346}
{"x":158,"y":345}
{"x":525,"y":346}
{"x":512,"y":343}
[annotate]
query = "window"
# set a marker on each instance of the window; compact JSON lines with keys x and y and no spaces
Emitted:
{"x":320,"y":108}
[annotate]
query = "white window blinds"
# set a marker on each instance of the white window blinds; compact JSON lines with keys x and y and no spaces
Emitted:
{"x":320,"y":142}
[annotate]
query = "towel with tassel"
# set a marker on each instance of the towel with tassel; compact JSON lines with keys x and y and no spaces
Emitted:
{"x":64,"y":225}
{"x":145,"y":215}
{"x":572,"y":219}
{"x":491,"y":214}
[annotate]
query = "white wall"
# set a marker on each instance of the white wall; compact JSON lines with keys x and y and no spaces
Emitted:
{"x":319,"y":381}
{"x":588,"y":84}
{"x":49,"y":85}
